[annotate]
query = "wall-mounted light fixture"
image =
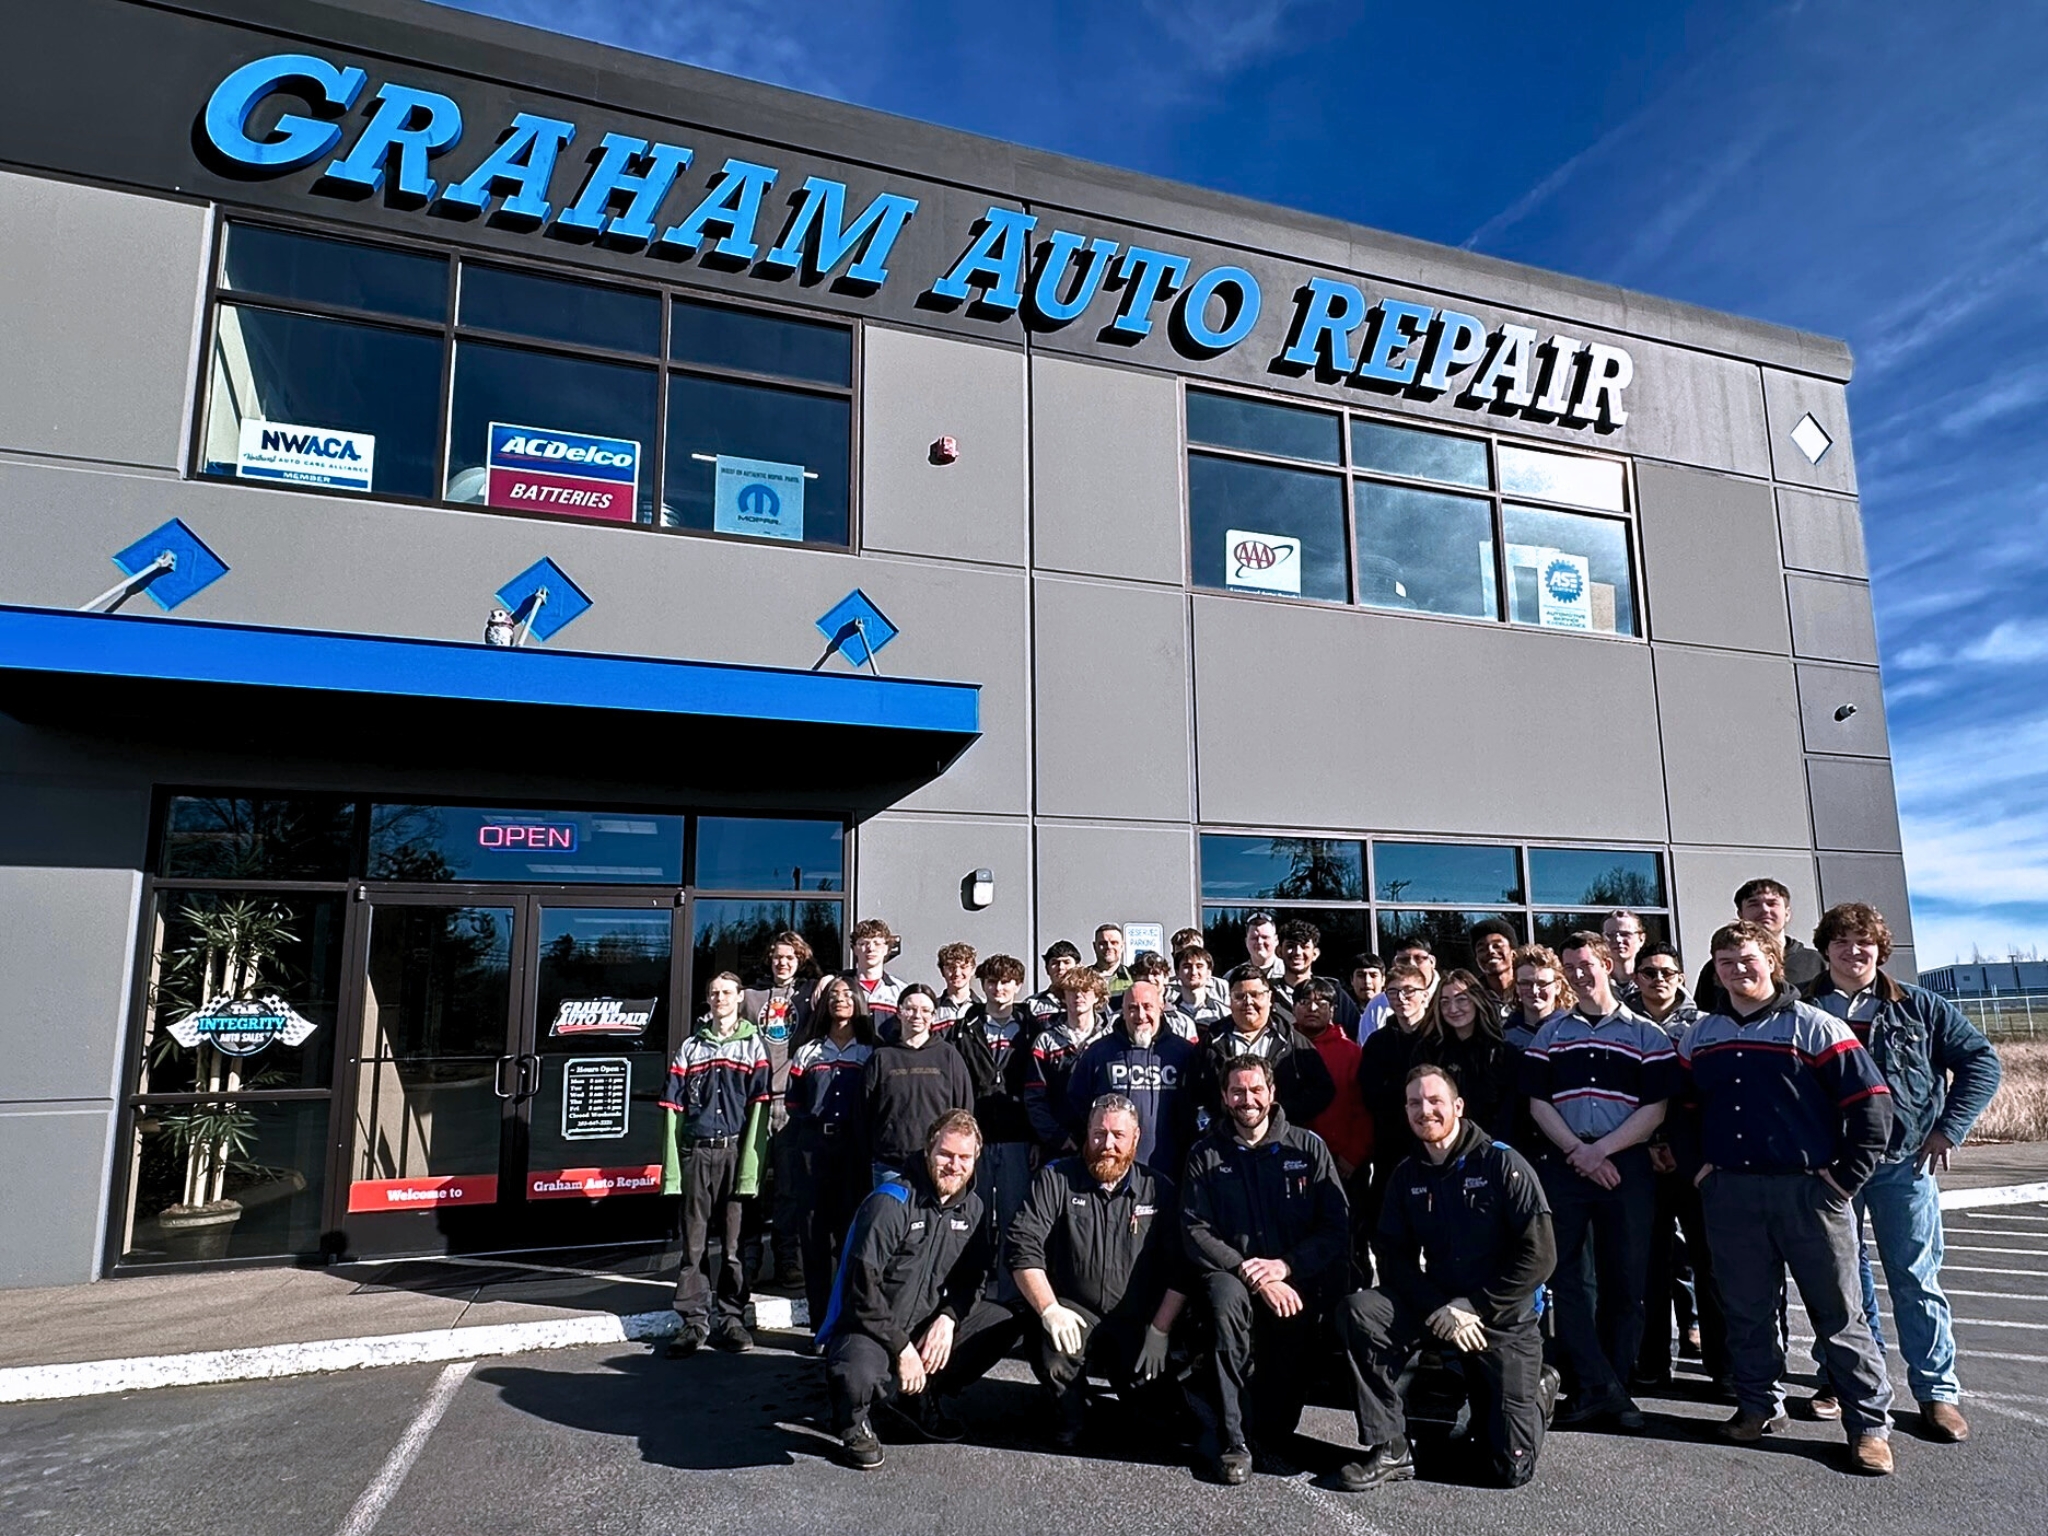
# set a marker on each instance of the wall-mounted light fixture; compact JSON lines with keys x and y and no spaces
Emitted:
{"x":978,"y":889}
{"x":1844,"y":713}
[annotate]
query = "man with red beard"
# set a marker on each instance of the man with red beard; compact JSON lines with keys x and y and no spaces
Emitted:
{"x":1093,"y":1251}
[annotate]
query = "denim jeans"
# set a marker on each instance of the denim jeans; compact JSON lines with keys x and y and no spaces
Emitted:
{"x":1903,"y":1207}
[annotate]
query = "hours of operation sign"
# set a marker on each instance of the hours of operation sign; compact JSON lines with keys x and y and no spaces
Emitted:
{"x":595,"y":1097}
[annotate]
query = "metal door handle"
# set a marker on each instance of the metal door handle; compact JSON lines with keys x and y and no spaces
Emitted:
{"x":498,"y":1076}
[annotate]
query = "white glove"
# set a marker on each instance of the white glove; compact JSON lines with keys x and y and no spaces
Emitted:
{"x":1063,"y":1327}
{"x":1151,"y":1358}
{"x":1457,"y":1324}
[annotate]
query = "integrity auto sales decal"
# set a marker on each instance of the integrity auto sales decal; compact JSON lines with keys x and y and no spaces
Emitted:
{"x":412,"y":148}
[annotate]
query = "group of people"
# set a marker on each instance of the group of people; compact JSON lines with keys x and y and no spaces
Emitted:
{"x":1205,"y":1190}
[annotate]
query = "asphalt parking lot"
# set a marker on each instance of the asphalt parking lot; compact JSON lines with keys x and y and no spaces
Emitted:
{"x":615,"y":1439}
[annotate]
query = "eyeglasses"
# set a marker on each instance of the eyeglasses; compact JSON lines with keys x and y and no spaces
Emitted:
{"x":1407,"y":992}
{"x":1659,"y":973}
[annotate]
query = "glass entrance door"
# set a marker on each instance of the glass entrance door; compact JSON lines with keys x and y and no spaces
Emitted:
{"x":599,"y":1026}
{"x":508,"y":1072}
{"x":437,"y":1074}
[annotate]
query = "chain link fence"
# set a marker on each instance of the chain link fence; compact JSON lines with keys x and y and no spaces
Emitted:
{"x":2007,"y":1018}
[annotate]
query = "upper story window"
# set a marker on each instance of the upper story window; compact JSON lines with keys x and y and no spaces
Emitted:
{"x":353,"y":367}
{"x":1293,"y":501}
{"x":1380,"y":893}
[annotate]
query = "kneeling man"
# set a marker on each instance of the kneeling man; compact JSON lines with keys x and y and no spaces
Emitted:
{"x":907,"y":1318}
{"x":1463,"y":1245}
{"x":1093,"y":1250}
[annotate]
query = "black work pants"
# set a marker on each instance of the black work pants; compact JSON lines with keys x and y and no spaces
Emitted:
{"x":1600,"y":1306}
{"x":860,"y":1371}
{"x":1504,"y":1380}
{"x":831,"y":1178}
{"x":712,"y":1211}
{"x":1678,"y":1212}
{"x":1109,"y":1347}
{"x":1259,"y":1364}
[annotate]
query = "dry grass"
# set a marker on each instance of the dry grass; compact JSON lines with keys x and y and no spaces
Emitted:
{"x":2019,"y":1110}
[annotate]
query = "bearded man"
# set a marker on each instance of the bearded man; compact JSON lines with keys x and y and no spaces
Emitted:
{"x":1093,"y":1252}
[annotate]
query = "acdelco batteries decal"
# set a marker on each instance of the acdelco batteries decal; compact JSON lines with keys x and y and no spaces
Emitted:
{"x":536,"y":469}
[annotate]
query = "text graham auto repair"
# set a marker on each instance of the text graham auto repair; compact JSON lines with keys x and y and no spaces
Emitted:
{"x":853,"y":508}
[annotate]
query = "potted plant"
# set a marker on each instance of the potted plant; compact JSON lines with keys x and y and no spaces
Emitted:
{"x":223,"y":972}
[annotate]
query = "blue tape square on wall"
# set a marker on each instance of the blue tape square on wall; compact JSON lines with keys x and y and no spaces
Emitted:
{"x":197,"y":569}
{"x":856,"y":605}
{"x":566,"y":602}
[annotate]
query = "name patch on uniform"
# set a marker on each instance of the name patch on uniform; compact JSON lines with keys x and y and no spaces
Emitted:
{"x":1293,"y":1165}
{"x":1146,"y":1210}
{"x":956,"y":1224}
{"x":1475,"y":1183}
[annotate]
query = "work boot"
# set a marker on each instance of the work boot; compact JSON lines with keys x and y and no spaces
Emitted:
{"x":688,"y":1342}
{"x":1824,"y":1404}
{"x":732,"y":1337}
{"x":1944,"y":1422}
{"x":1871,"y":1455}
{"x":1746,"y":1428}
{"x":859,"y":1447}
{"x":1233,"y":1466}
{"x":1389,"y":1462}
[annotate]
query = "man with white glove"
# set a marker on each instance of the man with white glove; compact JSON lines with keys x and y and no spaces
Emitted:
{"x":1458,"y":1325}
{"x":1463,"y":1245}
{"x":1093,"y":1252}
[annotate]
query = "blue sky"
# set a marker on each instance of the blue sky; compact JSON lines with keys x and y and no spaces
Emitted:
{"x":1871,"y":169}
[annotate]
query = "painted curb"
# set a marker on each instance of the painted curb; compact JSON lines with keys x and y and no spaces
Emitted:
{"x":2002,"y":1194}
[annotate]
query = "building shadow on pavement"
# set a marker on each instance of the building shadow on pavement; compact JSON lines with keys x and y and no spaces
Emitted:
{"x":769,"y":1408}
{"x":710,"y":1412}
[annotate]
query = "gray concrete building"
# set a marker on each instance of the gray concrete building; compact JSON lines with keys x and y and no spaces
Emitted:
{"x":1235,"y":560}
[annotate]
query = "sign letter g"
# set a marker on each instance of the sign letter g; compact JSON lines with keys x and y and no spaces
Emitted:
{"x":296,"y":139}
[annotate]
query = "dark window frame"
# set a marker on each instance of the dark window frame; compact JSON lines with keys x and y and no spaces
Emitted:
{"x":1353,"y":474}
{"x":451,"y":331}
{"x":131,"y":1102}
{"x":1524,"y":912}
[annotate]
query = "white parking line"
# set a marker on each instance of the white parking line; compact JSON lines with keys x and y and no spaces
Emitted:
{"x":391,"y":1476}
{"x":2001,"y":1232}
{"x":2004,"y":1411}
{"x":2020,"y":1253}
{"x":1991,"y":1295}
{"x":1980,"y":1269}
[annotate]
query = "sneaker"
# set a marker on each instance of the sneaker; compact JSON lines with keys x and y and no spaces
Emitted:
{"x":687,"y":1343}
{"x":1628,"y":1418}
{"x":1233,"y":1466}
{"x":732,"y":1337}
{"x":1870,"y":1455}
{"x":859,"y":1447}
{"x":1746,"y":1428}
{"x":1944,"y":1422}
{"x":1391,"y":1462}
{"x":1825,"y":1405}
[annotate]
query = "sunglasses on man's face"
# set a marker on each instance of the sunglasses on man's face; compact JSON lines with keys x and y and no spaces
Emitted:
{"x":1658,"y":973}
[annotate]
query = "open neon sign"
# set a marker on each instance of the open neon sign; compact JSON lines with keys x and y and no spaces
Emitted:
{"x":527,"y":836}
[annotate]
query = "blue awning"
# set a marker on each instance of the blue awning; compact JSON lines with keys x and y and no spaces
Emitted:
{"x":172,"y":679}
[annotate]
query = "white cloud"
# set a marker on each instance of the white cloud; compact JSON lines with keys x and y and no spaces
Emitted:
{"x":1223,"y":35}
{"x":750,"y":38}
{"x":1953,"y":935}
{"x":2012,"y":642}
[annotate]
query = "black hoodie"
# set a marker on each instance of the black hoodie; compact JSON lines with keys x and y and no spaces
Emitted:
{"x":1479,"y":1223}
{"x":1279,"y":1200}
